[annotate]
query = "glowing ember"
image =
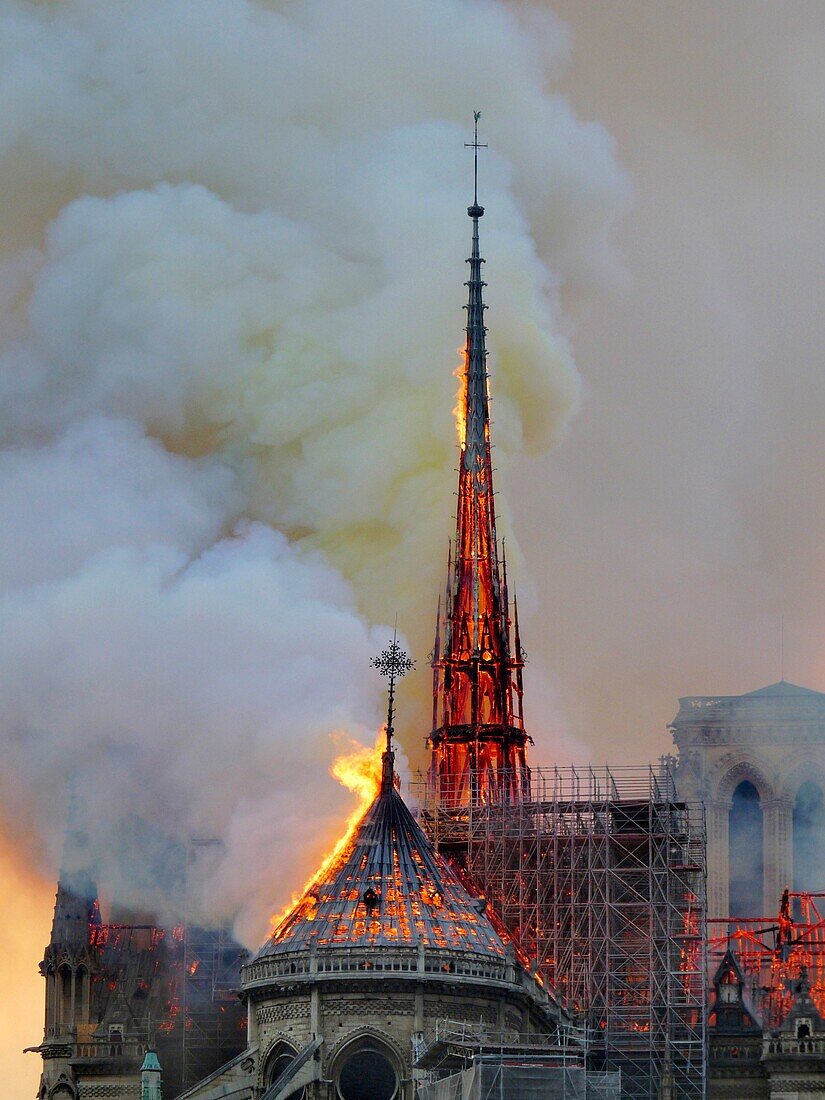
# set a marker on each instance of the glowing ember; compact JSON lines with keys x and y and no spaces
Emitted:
{"x":359,"y":770}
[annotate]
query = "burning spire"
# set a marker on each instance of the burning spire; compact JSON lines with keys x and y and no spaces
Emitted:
{"x":478,"y":737}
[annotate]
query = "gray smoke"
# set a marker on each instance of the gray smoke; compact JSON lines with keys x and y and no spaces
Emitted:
{"x":231,"y":291}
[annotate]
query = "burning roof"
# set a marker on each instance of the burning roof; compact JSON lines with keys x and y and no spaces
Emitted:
{"x":388,"y":887}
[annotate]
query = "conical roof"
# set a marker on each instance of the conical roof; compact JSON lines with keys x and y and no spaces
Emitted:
{"x":150,"y":1062}
{"x":389,"y":887}
{"x":781,"y":689}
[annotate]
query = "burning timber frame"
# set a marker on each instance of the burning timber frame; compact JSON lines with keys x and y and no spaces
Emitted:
{"x":772,"y":953}
{"x":122,"y":986}
{"x":599,"y":875}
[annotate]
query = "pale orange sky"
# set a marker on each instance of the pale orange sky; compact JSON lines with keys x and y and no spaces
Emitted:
{"x":25,"y":922}
{"x":682,"y":516}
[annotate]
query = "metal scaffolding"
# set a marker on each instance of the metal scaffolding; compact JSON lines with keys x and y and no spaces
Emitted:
{"x":599,"y":876}
{"x":214,"y":1020}
{"x":499,"y":1078}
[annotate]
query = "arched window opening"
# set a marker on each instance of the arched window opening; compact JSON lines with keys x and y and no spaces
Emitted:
{"x":81,"y":995}
{"x":746,"y":852}
{"x":64,"y":985}
{"x":277,"y":1063}
{"x":367,"y":1075}
{"x":808,"y":834}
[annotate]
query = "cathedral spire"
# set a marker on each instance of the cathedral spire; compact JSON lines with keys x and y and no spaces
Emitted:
{"x":478,"y":738}
{"x":476,"y":448}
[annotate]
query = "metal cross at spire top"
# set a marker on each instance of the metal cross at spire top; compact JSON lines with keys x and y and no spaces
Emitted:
{"x":394,"y":663}
{"x":475,"y":146}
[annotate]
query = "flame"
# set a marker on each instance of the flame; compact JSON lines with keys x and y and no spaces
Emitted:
{"x":359,"y":770}
{"x":460,"y":410}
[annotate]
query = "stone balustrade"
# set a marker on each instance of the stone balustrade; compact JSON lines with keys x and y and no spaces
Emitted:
{"x":452,"y":965}
{"x":777,"y":1046}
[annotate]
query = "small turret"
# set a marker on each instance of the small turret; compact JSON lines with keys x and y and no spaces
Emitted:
{"x":150,"y":1078}
{"x":70,"y":960}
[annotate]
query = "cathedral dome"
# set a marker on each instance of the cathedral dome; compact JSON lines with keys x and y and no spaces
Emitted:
{"x":388,"y":888}
{"x":385,"y":954}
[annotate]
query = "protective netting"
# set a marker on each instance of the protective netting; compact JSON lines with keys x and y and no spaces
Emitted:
{"x":514,"y":1081}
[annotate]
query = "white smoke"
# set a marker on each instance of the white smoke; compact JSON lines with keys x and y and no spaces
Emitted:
{"x":230,"y":297}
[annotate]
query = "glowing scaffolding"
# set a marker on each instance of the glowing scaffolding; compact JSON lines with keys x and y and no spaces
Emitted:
{"x":772,"y":953}
{"x":599,"y":876}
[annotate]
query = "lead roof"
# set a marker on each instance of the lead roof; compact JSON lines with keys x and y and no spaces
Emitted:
{"x":388,"y":888}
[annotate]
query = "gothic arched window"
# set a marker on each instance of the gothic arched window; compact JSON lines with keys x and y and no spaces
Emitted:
{"x":367,"y":1075}
{"x":808,"y":831}
{"x":746,"y":852}
{"x":366,"y":1069}
{"x":64,"y":987}
{"x":81,"y":995}
{"x":278,"y":1061}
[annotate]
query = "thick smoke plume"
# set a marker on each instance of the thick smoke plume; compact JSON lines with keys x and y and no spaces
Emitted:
{"x":231,"y":291}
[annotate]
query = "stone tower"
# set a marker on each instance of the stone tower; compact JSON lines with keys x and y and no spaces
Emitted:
{"x":69,"y":962}
{"x":70,"y":966}
{"x":757,"y":762}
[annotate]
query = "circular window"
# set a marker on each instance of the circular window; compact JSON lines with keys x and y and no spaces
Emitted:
{"x":367,"y":1075}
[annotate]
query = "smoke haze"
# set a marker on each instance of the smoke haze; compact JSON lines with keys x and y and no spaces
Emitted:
{"x":230,"y":284}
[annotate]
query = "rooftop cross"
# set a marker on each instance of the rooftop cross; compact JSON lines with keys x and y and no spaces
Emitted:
{"x":394,"y":663}
{"x":475,"y":146}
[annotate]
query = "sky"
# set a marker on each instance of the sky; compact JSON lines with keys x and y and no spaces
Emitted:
{"x":231,"y":286}
{"x":680,"y":520}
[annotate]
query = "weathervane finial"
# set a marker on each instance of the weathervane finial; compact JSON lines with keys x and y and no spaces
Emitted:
{"x":475,"y":210}
{"x":394,"y":663}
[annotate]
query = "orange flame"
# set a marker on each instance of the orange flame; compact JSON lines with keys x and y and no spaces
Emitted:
{"x":460,"y":410}
{"x":359,"y":770}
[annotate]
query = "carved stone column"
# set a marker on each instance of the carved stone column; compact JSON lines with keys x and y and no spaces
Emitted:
{"x":778,"y":848}
{"x":717,"y":824}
